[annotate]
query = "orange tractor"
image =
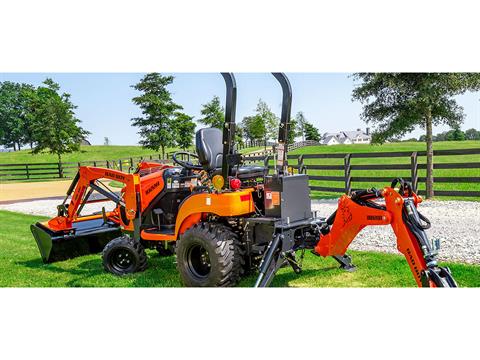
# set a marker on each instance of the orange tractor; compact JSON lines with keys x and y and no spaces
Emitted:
{"x":223,"y":219}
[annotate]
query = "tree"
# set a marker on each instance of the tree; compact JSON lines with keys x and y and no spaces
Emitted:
{"x":106,"y":141}
{"x":398,"y":102}
{"x":301,"y":120}
{"x":472,"y":134}
{"x":157,"y":125}
{"x":185,"y":129}
{"x":311,"y":132}
{"x":293,"y":130}
{"x":54,"y":125}
{"x":253,"y":128}
{"x":15,"y":128}
{"x":213,"y":113}
{"x":269,"y":121}
{"x":456,"y":135}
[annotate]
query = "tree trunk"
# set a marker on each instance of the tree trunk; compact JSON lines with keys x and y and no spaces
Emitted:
{"x":60,"y":170}
{"x":14,"y":147}
{"x":428,"y":127}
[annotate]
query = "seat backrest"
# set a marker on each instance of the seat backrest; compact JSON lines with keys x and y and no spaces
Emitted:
{"x":209,"y":148}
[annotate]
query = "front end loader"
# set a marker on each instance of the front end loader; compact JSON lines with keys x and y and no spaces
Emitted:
{"x":223,"y":219}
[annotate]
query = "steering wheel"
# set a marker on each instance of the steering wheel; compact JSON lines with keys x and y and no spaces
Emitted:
{"x":186,"y":164}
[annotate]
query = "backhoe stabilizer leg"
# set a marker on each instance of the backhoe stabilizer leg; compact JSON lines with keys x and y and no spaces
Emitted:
{"x":345,"y":262}
{"x":271,"y":262}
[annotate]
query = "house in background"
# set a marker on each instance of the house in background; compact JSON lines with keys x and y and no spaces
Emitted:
{"x":347,"y":137}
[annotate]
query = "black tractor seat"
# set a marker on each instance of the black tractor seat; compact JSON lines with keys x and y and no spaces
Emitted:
{"x":209,"y":144}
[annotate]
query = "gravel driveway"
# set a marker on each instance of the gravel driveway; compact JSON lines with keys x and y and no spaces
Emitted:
{"x":455,"y":223}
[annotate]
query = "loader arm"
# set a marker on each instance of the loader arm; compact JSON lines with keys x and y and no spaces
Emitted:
{"x":86,"y":178}
{"x":399,"y":210}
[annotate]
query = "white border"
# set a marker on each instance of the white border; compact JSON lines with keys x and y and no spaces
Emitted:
{"x":304,"y":36}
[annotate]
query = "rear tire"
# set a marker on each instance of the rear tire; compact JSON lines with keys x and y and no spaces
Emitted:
{"x":123,"y":256}
{"x":209,"y":255}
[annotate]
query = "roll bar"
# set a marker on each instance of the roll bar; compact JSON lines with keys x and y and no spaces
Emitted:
{"x":284,"y":120}
{"x":229,"y":127}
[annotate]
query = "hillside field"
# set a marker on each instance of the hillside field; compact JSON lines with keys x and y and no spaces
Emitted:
{"x":88,"y":153}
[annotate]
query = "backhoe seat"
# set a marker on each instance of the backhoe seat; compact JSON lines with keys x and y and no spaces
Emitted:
{"x":209,"y":144}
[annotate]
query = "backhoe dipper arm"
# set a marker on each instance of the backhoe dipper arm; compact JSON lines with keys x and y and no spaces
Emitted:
{"x":359,"y":210}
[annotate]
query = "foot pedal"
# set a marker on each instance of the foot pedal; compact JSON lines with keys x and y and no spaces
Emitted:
{"x":345,"y":262}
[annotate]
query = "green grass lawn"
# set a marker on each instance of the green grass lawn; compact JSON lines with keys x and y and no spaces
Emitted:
{"x":21,"y":266}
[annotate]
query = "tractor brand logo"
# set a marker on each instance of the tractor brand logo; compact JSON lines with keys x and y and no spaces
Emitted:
{"x":412,"y":261}
{"x":375,"y":217}
{"x":153,"y":187}
{"x":114,"y":176}
{"x":346,"y":213}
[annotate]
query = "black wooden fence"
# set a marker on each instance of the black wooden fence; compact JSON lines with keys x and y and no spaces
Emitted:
{"x":321,"y":171}
{"x":66,"y":170}
{"x":329,"y":172}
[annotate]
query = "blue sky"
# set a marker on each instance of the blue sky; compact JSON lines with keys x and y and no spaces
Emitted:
{"x":105,"y":107}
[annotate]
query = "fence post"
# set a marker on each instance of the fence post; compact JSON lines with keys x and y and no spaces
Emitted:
{"x":414,"y":171}
{"x":28,"y":173}
{"x":60,"y":170}
{"x":348,"y":176}
{"x":265,"y":163}
{"x":108,"y":164}
{"x":300,"y":164}
{"x":94,"y":164}
{"x":120,"y":164}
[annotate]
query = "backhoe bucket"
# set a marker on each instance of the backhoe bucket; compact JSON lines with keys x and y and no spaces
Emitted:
{"x":85,"y":237}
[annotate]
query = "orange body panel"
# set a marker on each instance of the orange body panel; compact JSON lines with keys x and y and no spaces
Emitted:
{"x":225,"y":204}
{"x":351,"y":218}
{"x":150,"y":186}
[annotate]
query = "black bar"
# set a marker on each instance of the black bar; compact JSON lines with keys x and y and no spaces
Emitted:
{"x":329,"y":178}
{"x":381,"y":167}
{"x":229,"y":128}
{"x":472,"y":165}
{"x":454,"y":193}
{"x":327,"y":189}
{"x":452,"y":179}
{"x":73,"y":184}
{"x":107,"y":194}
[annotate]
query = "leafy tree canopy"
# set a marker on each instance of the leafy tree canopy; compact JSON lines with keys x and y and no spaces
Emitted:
{"x":398,"y":102}
{"x":157,"y":125}
{"x":311,"y":132}
{"x":54,"y":125}
{"x":15,"y":129}
{"x":185,"y":129}
{"x":213,"y":113}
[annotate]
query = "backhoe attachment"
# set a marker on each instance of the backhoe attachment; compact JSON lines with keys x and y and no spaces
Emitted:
{"x":333,"y":236}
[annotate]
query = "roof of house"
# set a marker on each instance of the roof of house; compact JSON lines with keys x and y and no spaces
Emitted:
{"x":327,"y":139}
{"x":356,"y":134}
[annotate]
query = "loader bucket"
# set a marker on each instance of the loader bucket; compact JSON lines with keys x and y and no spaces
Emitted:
{"x":85,"y":237}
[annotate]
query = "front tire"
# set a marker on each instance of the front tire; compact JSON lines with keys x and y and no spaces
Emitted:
{"x":123,"y":256}
{"x":208,"y":255}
